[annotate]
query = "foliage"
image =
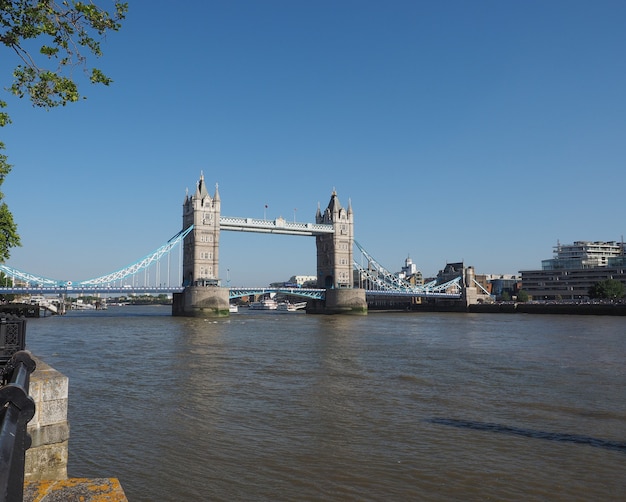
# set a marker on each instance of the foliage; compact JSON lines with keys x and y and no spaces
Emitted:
{"x":607,"y":289}
{"x":505,"y":296}
{"x":4,"y":282}
{"x":64,"y":31}
{"x":9,"y":237}
{"x":50,"y":38}
{"x":149,"y":300}
{"x":522,"y":296}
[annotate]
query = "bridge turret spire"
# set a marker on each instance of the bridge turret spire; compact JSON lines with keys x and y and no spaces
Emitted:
{"x":216,"y":197}
{"x":334,"y":207}
{"x":201,"y":191}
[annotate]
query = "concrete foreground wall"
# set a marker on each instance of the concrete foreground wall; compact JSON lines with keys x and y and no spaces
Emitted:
{"x":49,"y":428}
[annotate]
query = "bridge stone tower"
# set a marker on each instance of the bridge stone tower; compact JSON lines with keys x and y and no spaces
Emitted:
{"x":335,"y":258}
{"x":201,"y":247}
{"x":334,"y":251}
{"x":202,"y":295}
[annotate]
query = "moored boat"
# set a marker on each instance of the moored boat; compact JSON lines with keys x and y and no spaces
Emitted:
{"x":265,"y":304}
{"x":290,"y":307}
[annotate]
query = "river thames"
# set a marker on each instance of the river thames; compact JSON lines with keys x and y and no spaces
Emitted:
{"x":284,"y":407}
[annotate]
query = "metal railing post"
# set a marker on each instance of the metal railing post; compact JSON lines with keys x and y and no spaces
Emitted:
{"x":17,"y":408}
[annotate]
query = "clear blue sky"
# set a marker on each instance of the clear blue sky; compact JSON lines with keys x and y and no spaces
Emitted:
{"x":481,"y":131}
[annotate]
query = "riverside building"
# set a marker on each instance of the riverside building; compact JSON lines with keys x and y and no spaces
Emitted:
{"x":410,"y":273}
{"x":574,"y":269}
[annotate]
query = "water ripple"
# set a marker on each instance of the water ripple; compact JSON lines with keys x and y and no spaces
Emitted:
{"x":531,"y":433}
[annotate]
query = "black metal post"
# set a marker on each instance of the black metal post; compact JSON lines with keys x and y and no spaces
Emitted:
{"x":17,"y":408}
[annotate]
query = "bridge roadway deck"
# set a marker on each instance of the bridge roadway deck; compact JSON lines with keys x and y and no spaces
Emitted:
{"x":235,"y":292}
{"x":90,"y":290}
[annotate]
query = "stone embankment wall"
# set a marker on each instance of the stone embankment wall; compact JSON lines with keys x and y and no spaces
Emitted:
{"x":49,"y":428}
{"x":552,"y":308}
{"x":616,"y":309}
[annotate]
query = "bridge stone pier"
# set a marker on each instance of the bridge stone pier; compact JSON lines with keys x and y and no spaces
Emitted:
{"x":203,"y":295}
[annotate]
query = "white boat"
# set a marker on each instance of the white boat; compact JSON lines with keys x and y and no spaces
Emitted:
{"x":79,"y":305}
{"x":233,"y":309}
{"x":265,"y":304}
{"x":290,"y":307}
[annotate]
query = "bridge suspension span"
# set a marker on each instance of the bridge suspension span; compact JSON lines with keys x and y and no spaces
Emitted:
{"x":373,"y":277}
{"x":105,"y":281}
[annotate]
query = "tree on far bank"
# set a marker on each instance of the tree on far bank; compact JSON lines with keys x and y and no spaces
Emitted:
{"x":49,"y":39}
{"x":522,"y":296}
{"x":607,"y":289}
{"x":4,"y":282}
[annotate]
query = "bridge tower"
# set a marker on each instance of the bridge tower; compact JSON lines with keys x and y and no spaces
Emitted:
{"x":201,"y":247}
{"x":335,"y":257}
{"x":334,"y":251}
{"x":202,"y":295}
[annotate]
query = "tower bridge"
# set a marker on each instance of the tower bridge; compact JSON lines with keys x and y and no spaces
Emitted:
{"x":198,"y":289}
{"x":334,"y":235}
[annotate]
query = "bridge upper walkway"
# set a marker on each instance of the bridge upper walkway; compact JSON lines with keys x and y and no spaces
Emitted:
{"x":277,"y":226}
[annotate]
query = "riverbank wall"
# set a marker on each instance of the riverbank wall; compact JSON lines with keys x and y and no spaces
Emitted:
{"x":20,"y":309}
{"x":49,"y":429}
{"x":613,"y":309}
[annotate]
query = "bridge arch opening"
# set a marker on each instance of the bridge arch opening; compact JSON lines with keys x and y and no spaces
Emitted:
{"x":259,"y":260}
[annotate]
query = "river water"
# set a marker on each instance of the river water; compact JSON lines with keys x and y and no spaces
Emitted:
{"x":404,"y":406}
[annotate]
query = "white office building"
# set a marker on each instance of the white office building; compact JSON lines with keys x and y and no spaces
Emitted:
{"x":574,"y":269}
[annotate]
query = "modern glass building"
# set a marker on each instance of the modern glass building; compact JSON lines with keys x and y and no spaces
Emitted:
{"x":574,"y":269}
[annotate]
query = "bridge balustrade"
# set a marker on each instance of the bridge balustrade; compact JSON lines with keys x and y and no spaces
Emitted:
{"x":17,"y":408}
{"x":279,"y":225}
